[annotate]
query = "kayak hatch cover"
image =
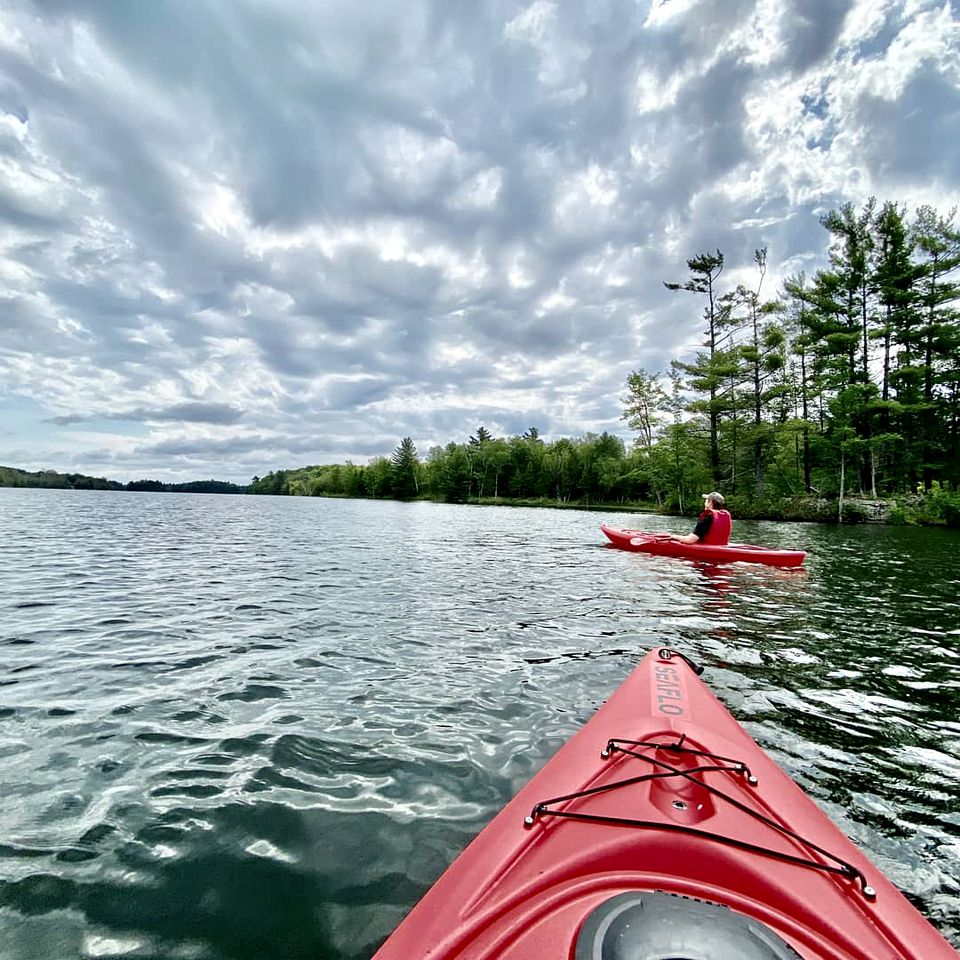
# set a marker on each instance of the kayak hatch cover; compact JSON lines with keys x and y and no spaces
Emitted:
{"x":662,"y":830}
{"x":657,"y":543}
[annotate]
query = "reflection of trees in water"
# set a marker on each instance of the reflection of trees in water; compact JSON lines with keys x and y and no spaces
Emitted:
{"x":727,"y":589}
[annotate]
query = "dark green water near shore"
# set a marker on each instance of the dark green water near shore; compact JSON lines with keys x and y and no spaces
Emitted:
{"x":245,"y":727}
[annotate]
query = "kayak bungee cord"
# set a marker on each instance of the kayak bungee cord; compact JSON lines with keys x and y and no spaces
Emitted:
{"x":732,"y":860}
{"x":724,"y":765}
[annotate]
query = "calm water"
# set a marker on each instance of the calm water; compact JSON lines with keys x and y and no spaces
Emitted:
{"x":245,"y":727}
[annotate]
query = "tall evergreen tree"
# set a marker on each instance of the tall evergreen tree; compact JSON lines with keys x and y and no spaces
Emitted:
{"x":798,"y":306}
{"x":705,"y":270}
{"x":761,"y":352}
{"x":850,"y":259}
{"x":404,"y":465}
{"x":894,"y":278}
{"x":938,"y":244}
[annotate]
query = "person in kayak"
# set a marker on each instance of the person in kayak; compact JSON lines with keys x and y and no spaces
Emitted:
{"x":713,"y":525}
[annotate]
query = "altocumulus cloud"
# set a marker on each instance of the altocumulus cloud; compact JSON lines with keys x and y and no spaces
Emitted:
{"x":247,"y":235}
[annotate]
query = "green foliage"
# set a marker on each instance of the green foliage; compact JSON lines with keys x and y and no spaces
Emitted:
{"x":900,"y":517}
{"x":593,"y":469}
{"x":146,"y":486}
{"x":12,"y":477}
{"x":274,"y":484}
{"x":941,"y":507}
{"x":938,"y":508}
{"x":404,"y":467}
{"x":646,"y":405}
{"x":848,"y":385}
{"x":709,"y":370}
{"x":451,"y":473}
{"x":378,"y":478}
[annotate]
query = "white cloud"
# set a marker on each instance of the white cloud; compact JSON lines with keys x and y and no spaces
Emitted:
{"x":664,"y":12}
{"x":251,"y":235}
{"x":480,"y":192}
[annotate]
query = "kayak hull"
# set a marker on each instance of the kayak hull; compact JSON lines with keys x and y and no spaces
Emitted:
{"x":644,"y":542}
{"x":527,"y":889}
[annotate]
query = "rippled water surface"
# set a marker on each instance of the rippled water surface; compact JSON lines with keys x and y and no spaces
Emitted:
{"x":248,"y":727}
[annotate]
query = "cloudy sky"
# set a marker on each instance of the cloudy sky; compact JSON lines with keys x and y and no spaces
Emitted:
{"x":238,"y":235}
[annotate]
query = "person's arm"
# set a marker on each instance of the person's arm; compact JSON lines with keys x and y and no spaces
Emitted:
{"x":699,"y":531}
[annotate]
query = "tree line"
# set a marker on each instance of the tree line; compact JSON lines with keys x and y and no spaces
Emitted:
{"x":845,"y":382}
{"x":585,"y":470}
{"x":51,"y":479}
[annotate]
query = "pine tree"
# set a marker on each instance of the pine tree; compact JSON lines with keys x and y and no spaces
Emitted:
{"x":850,"y":258}
{"x":404,"y":465}
{"x":936,"y":338}
{"x":894,"y":278}
{"x":761,"y":354}
{"x":798,"y":308}
{"x":706,"y":377}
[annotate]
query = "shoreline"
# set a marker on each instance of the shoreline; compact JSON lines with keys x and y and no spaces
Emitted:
{"x":900,"y":511}
{"x":935,"y":509}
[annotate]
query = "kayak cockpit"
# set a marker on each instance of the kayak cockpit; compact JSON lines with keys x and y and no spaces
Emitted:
{"x":664,"y":926}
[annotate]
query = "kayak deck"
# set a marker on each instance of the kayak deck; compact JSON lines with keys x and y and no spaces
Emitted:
{"x":663,"y":791}
{"x":645,"y":542}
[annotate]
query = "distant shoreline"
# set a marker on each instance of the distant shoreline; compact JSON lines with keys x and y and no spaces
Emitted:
{"x":54,"y":480}
{"x":916,"y":510}
{"x":900,"y":511}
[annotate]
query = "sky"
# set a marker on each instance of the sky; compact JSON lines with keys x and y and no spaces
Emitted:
{"x":244,"y":235}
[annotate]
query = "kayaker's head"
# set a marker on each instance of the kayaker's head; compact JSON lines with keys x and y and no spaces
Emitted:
{"x":714,"y":501}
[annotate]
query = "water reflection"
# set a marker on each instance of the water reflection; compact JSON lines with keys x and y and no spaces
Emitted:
{"x":243,"y":727}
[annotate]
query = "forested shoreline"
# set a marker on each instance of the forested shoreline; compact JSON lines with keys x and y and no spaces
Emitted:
{"x":592,"y":472}
{"x":54,"y":480}
{"x":846,"y":382}
{"x":838,"y":389}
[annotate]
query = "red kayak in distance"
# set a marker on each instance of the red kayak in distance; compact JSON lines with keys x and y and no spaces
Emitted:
{"x":661,"y":830}
{"x":657,"y":543}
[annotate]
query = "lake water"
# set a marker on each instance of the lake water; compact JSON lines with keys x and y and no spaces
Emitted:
{"x":250,"y":727}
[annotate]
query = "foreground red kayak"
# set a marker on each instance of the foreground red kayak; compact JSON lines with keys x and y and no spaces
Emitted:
{"x":661,"y":830}
{"x":657,"y":543}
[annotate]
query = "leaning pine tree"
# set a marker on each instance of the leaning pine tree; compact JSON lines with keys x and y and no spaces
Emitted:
{"x":707,"y":371}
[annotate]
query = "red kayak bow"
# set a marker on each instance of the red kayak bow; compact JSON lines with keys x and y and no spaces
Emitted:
{"x":661,"y":830}
{"x":643,"y":542}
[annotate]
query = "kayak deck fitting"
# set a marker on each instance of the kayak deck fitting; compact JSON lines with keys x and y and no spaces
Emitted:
{"x":661,"y":545}
{"x":661,"y":830}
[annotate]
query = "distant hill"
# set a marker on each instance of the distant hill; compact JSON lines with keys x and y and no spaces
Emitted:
{"x":194,"y":486}
{"x":13,"y":477}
